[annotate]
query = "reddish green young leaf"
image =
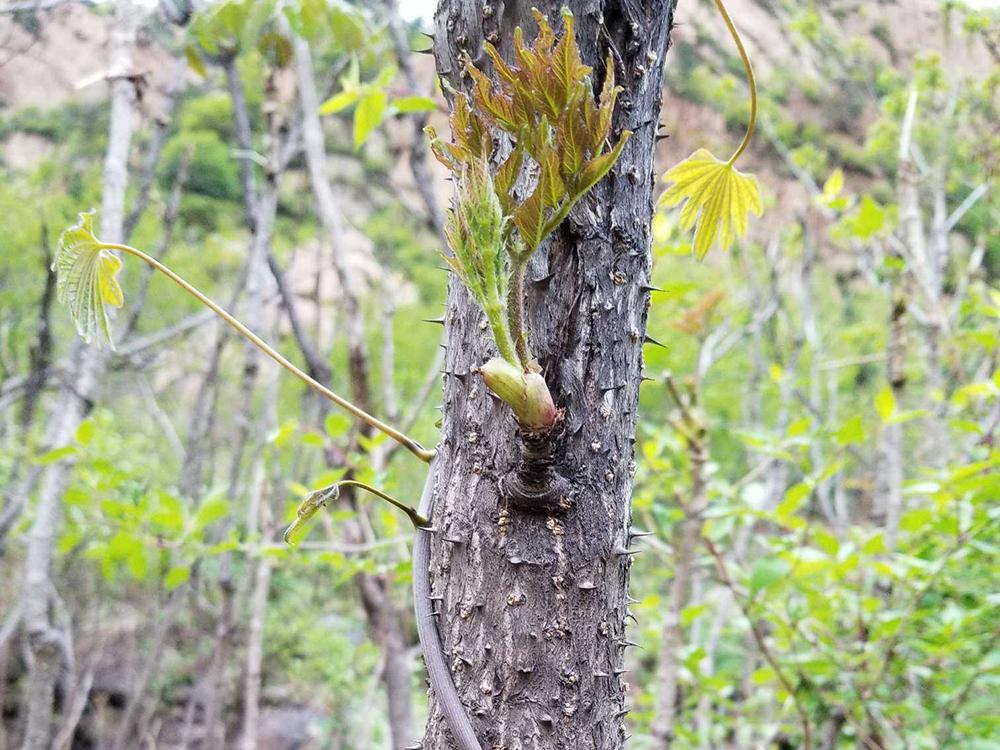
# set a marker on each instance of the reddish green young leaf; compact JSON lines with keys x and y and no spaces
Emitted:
{"x":529,"y":218}
{"x":569,"y":68}
{"x":506,"y":176}
{"x":596,"y":168}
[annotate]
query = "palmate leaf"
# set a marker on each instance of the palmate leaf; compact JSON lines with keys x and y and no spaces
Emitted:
{"x":718,"y":196}
{"x":87,"y":279}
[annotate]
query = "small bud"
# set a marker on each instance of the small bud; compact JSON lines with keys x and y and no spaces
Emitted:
{"x":524,"y":392}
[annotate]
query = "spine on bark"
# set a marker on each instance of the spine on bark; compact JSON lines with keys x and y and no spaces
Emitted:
{"x":548,"y":137}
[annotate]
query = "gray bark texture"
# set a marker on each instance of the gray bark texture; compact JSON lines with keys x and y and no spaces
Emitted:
{"x":533,"y":606}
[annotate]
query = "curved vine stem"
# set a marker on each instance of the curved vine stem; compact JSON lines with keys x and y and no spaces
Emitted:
{"x":438,"y":670}
{"x":319,"y":498}
{"x":416,"y":519}
{"x":404,"y":440}
{"x":751,"y":79}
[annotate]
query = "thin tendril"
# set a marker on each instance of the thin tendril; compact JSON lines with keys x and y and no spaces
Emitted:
{"x":407,"y":442}
{"x":750,"y":79}
{"x":416,"y":518}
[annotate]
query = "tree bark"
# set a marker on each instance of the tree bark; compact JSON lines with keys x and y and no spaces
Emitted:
{"x":533,"y":610}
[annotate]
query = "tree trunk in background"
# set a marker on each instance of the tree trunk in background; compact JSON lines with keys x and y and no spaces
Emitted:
{"x":534,"y":606}
{"x":686,"y":535}
{"x":890,"y":478}
{"x":385,"y":622}
{"x":45,"y":639}
{"x":332,"y":220}
{"x":40,"y":354}
{"x":383,"y":617}
{"x":422,"y":179}
{"x":259,"y":529}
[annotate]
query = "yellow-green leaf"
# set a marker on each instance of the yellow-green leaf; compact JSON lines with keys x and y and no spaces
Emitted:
{"x":194,"y":61}
{"x":339,"y":102}
{"x":87,"y":279}
{"x":885,"y":403}
{"x":833,"y":185}
{"x":408,"y":104}
{"x":718,"y":196}
{"x":368,"y":115}
{"x":176,"y":576}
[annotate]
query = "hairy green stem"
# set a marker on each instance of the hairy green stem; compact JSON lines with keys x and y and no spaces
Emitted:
{"x":407,"y":442}
{"x":751,"y":79}
{"x":501,"y":332}
{"x":515,"y":309}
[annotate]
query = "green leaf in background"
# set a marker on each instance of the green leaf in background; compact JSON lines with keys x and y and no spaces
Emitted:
{"x":194,"y":61}
{"x":368,"y":115}
{"x":793,"y":500}
{"x":340,"y":102}
{"x":834,"y":185}
{"x":56,"y":454}
{"x":691,"y":613}
{"x":87,"y":279}
{"x":283,"y":434}
{"x":176,"y":577}
{"x":407,"y":104}
{"x":832,"y":196}
{"x":337,"y":425}
{"x":868,"y":220}
{"x":885,"y":403}
{"x":766,"y":572}
{"x":85,"y":432}
{"x":851,"y":432}
{"x":212,"y":510}
{"x":347,"y":26}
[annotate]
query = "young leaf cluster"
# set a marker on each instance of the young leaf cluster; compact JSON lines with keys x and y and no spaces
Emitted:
{"x":557,"y":143}
{"x":371,"y":101}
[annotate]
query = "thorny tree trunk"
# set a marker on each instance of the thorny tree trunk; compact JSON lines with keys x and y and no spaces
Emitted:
{"x":73,"y":404}
{"x":534,"y":607}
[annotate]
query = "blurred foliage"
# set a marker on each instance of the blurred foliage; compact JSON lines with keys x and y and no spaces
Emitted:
{"x":900,"y":635}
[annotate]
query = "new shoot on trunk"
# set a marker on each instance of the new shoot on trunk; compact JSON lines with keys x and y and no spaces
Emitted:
{"x":527,"y":145}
